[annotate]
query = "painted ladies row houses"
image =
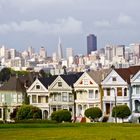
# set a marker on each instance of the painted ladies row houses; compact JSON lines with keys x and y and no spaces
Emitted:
{"x":77,"y":92}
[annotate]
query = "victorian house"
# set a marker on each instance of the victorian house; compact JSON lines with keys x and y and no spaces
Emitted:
{"x":12,"y":95}
{"x":61,"y":93}
{"x":135,"y":84}
{"x":117,"y":88}
{"x":39,"y":95}
{"x":89,"y":91}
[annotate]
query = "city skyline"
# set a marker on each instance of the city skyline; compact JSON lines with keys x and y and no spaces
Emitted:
{"x":40,"y":23}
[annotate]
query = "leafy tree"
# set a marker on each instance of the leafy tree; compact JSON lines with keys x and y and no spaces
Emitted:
{"x":93,"y":113}
{"x":5,"y":74}
{"x":42,"y":73}
{"x":61,"y":115}
{"x":28,"y":112}
{"x":121,"y":111}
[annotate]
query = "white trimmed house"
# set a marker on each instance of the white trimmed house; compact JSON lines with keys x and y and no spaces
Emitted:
{"x":116,"y":88}
{"x":61,"y":93}
{"x":39,"y":95}
{"x":87,"y":94}
{"x":135,"y":84}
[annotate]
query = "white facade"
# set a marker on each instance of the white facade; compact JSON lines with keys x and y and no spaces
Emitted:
{"x":39,"y":97}
{"x":115,"y":91}
{"x":61,"y":96}
{"x":135,"y":84}
{"x":87,"y":94}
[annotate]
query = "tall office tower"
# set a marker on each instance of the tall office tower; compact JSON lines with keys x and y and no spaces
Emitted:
{"x":2,"y":51}
{"x":69,"y":52}
{"x":12,"y":53}
{"x":31,"y":51}
{"x":59,"y":51}
{"x":42,"y":52}
{"x":109,"y":52}
{"x":135,"y":49}
{"x":91,"y":43}
{"x":120,"y":51}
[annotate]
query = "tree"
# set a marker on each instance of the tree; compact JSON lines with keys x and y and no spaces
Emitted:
{"x":28,"y":112}
{"x":5,"y":74}
{"x":61,"y":115}
{"x":93,"y":113}
{"x":121,"y":111}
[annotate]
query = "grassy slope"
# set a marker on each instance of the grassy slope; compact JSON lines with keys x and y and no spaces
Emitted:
{"x":69,"y":132}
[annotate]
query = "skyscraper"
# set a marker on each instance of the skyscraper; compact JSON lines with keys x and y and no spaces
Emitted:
{"x":91,"y":43}
{"x":69,"y":52}
{"x":59,"y":53}
{"x":42,"y":52}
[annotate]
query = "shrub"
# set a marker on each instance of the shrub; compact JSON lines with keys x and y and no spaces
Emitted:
{"x":121,"y":111}
{"x":28,"y":112}
{"x":61,"y":115}
{"x":93,"y":113}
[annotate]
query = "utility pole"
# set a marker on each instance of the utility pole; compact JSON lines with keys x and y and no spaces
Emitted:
{"x":115,"y":107}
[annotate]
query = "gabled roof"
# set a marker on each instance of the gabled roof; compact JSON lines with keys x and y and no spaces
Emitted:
{"x":47,"y":81}
{"x":71,"y":78}
{"x":127,"y":73}
{"x":99,"y":75}
{"x":13,"y":84}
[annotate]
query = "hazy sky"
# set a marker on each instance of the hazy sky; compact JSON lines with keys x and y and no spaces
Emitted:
{"x":39,"y":23}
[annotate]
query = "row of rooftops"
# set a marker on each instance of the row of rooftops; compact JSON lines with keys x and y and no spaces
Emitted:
{"x":21,"y":83}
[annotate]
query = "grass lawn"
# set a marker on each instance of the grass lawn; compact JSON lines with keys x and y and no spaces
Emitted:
{"x":92,"y":131}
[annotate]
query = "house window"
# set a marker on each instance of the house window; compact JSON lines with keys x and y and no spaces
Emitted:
{"x":2,"y":98}
{"x":14,"y":98}
{"x":64,"y":96}
{"x":59,"y":107}
{"x":125,"y":92}
{"x":108,"y":91}
{"x":46,"y":99}
{"x":91,"y":92}
{"x":55,"y":97}
{"x":119,"y":91}
{"x":37,"y":86}
{"x":113,"y":79}
{"x":59,"y":84}
{"x":59,"y":96}
{"x":86,"y":81}
{"x":34,"y":99}
{"x":96,"y":94}
{"x":19,"y":98}
{"x":39,"y":99}
{"x":0,"y":113}
{"x":137,"y":89}
{"x":70,"y":97}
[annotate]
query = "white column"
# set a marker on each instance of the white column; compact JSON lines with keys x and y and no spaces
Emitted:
{"x":133,"y":105}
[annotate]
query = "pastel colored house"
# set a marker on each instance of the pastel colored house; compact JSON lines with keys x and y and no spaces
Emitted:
{"x":12,"y":95}
{"x":117,"y":88}
{"x":89,"y":91}
{"x":39,"y":95}
{"x":61,"y":93}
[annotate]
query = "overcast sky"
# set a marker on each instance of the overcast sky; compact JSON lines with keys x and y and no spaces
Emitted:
{"x":39,"y":23}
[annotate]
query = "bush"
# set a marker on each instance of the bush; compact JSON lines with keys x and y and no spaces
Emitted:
{"x":61,"y":115}
{"x":28,"y":112}
{"x":121,"y":111}
{"x":93,"y":113}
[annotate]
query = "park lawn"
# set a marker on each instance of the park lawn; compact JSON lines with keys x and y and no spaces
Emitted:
{"x":91,"y":131}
